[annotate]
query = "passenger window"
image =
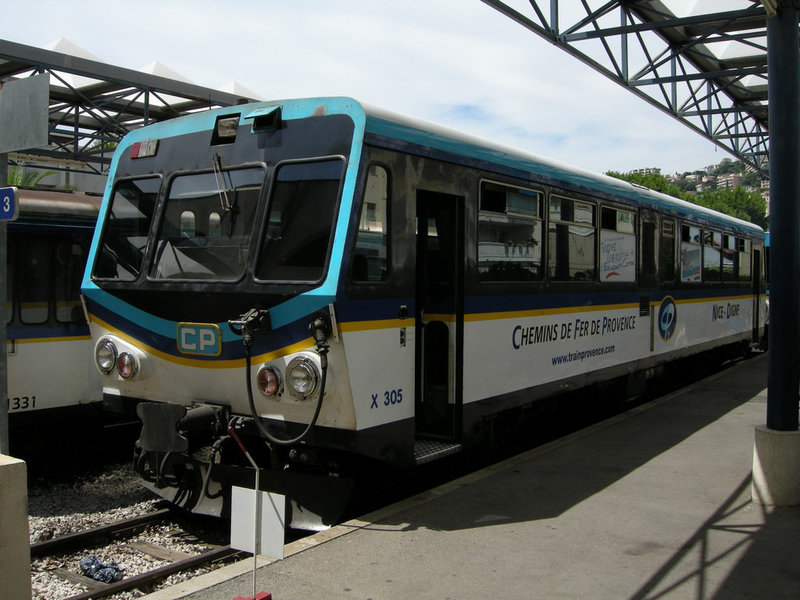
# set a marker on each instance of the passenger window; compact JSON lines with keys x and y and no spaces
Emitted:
{"x":509,"y":233}
{"x":69,"y":263}
{"x":745,"y":272}
{"x":667,"y":254}
{"x":187,"y":224}
{"x":571,"y":240}
{"x":691,"y":254}
{"x":712,"y":242}
{"x":617,"y":245}
{"x":214,"y":225}
{"x":730,"y":259}
{"x":10,"y":281}
{"x":35,"y":274}
{"x":371,"y":253}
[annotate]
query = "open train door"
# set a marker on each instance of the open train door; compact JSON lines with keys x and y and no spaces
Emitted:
{"x":439,"y":323}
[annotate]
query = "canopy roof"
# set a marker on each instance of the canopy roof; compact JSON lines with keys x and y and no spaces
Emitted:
{"x":703,"y":62}
{"x":93,"y":104}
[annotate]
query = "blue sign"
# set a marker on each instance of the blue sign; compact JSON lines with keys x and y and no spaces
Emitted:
{"x":667,"y":318}
{"x":9,"y":207}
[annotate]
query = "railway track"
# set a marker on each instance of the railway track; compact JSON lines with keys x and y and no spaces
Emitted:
{"x":74,"y":545}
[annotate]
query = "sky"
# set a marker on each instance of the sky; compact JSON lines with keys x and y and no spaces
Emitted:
{"x":458,"y":63}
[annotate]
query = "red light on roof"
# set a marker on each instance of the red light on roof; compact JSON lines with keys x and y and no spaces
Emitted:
{"x":144,"y":149}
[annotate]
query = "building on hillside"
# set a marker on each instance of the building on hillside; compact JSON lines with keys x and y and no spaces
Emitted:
{"x":646,"y":171}
{"x":729,"y":180}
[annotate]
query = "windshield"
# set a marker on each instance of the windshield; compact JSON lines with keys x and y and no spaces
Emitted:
{"x":125,"y":234}
{"x":208,"y":225}
{"x":300,"y":221}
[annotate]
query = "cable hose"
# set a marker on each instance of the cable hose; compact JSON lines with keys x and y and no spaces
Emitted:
{"x":323,"y":363}
{"x":207,"y":477}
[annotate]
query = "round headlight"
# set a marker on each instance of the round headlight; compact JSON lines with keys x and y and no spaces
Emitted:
{"x":269,"y":381}
{"x":105,"y":356}
{"x":126,"y":365}
{"x":302,"y":377}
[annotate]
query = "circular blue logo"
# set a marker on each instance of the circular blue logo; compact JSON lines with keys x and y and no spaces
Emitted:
{"x":667,"y":318}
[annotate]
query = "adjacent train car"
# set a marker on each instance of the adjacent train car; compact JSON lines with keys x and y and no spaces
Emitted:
{"x":390,"y":289}
{"x":48,"y":347}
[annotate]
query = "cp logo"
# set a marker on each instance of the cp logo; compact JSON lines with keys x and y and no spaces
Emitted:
{"x":204,"y":339}
{"x":667,"y":318}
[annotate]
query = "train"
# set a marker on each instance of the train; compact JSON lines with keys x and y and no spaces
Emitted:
{"x":48,"y":347}
{"x":338,"y":287}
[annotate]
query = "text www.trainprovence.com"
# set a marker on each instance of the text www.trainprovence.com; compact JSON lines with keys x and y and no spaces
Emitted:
{"x":581,"y":355}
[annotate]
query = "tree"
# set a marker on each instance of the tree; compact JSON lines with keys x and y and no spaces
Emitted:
{"x":736,"y":202}
{"x":653,"y":181}
{"x":21,"y":177}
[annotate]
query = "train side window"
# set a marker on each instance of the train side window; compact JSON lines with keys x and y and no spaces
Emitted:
{"x":712,"y":243}
{"x":691,"y":254}
{"x":35,"y":276}
{"x":745,"y":265}
{"x":571,"y":240}
{"x":187,"y":224}
{"x":667,"y":254}
{"x":509,"y":233}
{"x":214,"y":225}
{"x":125,"y":232}
{"x":370,"y":261}
{"x":70,"y":259}
{"x":617,"y":245}
{"x":10,"y":280}
{"x":648,"y":250}
{"x":730,"y":259}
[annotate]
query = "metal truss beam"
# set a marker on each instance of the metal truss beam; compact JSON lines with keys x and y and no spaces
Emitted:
{"x":708,"y":71}
{"x":93,"y":104}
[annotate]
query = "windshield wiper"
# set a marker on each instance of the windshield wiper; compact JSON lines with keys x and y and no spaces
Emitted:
{"x":228,"y":207}
{"x":216,"y":164}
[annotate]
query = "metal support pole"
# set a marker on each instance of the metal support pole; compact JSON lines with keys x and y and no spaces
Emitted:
{"x":783,"y":57}
{"x":4,"y":444}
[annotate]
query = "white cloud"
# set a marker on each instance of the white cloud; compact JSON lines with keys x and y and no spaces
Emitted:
{"x":456,"y":62}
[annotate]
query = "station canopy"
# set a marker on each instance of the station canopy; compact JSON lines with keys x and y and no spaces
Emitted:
{"x":93,"y":105}
{"x":703,"y":62}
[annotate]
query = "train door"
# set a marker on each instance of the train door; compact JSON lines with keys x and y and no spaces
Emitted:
{"x":439,"y":316}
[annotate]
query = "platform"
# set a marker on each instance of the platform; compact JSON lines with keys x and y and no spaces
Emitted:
{"x":652,"y":504}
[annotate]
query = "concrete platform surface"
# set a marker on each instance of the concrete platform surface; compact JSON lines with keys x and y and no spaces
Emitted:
{"x":653,"y":504}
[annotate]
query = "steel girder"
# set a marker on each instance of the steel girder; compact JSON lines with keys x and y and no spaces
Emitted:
{"x":93,"y":104}
{"x":707,"y":70}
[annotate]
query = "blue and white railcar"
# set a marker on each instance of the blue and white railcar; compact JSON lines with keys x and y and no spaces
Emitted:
{"x":395,"y":286}
{"x":48,"y":346}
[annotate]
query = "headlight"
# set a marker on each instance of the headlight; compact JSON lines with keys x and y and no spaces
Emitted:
{"x":269,"y":381}
{"x":126,"y":365}
{"x":105,"y":356}
{"x":302,"y":377}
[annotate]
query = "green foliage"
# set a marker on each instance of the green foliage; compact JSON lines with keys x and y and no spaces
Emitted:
{"x":21,"y":177}
{"x":654,"y":181}
{"x":736,"y":202}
